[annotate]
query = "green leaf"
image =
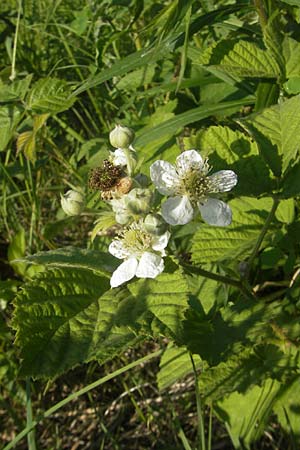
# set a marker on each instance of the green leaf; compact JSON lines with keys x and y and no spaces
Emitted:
{"x":63,"y":318}
{"x":174,"y":365}
{"x":172,"y":126}
{"x":228,"y":149}
{"x":166,"y":297}
{"x":14,"y":91}
{"x":241,"y":59}
{"x":77,"y":258}
{"x":285,"y":211}
{"x":276,"y":132}
{"x":237,"y":374}
{"x":49,"y":96}
{"x":287,"y":409}
{"x":246,"y":415}
{"x":211,"y":244}
{"x":290,"y":48}
{"x":128,"y":63}
{"x":10,"y":116}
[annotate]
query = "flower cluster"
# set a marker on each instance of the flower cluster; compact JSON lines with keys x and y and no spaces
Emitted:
{"x":143,"y":227}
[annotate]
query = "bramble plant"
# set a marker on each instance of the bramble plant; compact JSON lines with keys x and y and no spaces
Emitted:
{"x":178,"y":226}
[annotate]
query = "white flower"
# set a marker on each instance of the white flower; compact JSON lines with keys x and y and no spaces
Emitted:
{"x":120,"y":157}
{"x":190,"y":187}
{"x":141,"y":251}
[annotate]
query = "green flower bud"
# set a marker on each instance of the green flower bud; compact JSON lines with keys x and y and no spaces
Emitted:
{"x":142,"y":180}
{"x":139,"y":201}
{"x":73,"y":203}
{"x":121,"y":137}
{"x":155,"y":224}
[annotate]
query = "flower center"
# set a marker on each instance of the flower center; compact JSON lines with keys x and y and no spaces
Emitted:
{"x":195,"y":183}
{"x":135,"y":239}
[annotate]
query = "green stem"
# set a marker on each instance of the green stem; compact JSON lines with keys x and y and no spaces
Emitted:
{"x":201,"y":433}
{"x":29,"y":421}
{"x":221,"y":278}
{"x":77,"y":394}
{"x":262,"y":235}
{"x":13,"y":63}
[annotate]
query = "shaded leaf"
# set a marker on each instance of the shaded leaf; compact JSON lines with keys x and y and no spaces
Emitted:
{"x":174,"y":365}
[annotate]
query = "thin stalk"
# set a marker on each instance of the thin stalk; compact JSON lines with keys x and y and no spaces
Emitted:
{"x":262,"y":235}
{"x":77,"y":394}
{"x":201,"y":433}
{"x":13,"y":63}
{"x":209,"y":438}
{"x":221,"y":278}
{"x":29,"y":420}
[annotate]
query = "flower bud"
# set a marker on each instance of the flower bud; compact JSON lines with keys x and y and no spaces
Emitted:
{"x":142,"y":180}
{"x":155,"y":224}
{"x":121,"y":137}
{"x":73,"y":203}
{"x":139,"y":201}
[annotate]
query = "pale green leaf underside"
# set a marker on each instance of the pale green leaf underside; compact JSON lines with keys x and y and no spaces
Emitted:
{"x":211,"y":244}
{"x":175,"y":364}
{"x":280,"y":125}
{"x":61,"y":322}
{"x":76,"y":258}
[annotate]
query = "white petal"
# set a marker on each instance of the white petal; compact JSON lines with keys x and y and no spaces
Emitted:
{"x":117,"y":249}
{"x":119,"y":158}
{"x":124,"y":272}
{"x":177,"y":210}
{"x":150,"y":265}
{"x":215,"y":212}
{"x":164,"y":176}
{"x":160,"y":242}
{"x":189,"y":159}
{"x":223,"y":181}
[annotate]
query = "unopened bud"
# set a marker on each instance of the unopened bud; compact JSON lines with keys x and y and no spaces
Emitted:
{"x":121,"y":137}
{"x":73,"y":203}
{"x":139,"y":201}
{"x":155,"y":224}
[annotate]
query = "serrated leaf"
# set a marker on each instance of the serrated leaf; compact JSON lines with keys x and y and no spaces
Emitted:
{"x":246,"y":414}
{"x":49,"y":96}
{"x":61,"y":321}
{"x":10,"y":116}
{"x":103,"y":223}
{"x":39,"y":121}
{"x":14,"y":91}
{"x":276,"y":132}
{"x":26,"y":143}
{"x":166,"y":297}
{"x":76,"y":258}
{"x":241,"y":59}
{"x":174,"y":365}
{"x":237,"y":374}
{"x":228,"y":149}
{"x":291,"y":49}
{"x":211,"y":244}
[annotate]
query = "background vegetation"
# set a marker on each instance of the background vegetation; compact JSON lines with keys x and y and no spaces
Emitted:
{"x":223,"y":77}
